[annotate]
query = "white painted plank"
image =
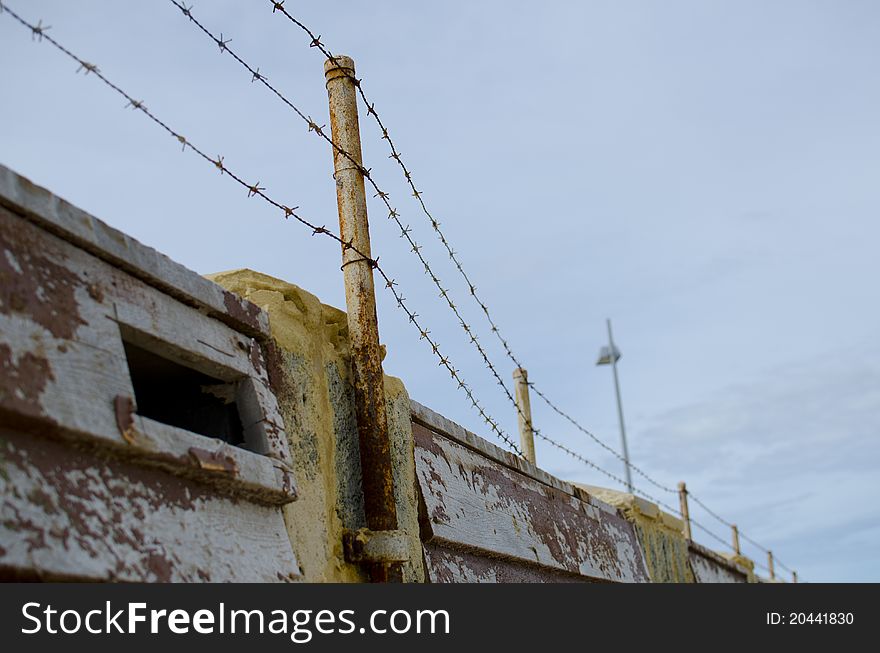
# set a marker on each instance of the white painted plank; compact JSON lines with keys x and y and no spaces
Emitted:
{"x":476,"y":502}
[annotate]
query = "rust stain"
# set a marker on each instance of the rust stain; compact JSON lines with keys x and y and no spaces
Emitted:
{"x":241,"y":310}
{"x":124,"y":408}
{"x":160,"y":566}
{"x":256,"y":356}
{"x":213,"y":460}
{"x":424,"y":438}
{"x":96,"y":292}
{"x":278,"y":382}
{"x":32,"y":283}
{"x":22,"y":382}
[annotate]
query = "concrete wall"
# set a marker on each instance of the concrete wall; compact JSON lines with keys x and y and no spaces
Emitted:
{"x":316,"y":399}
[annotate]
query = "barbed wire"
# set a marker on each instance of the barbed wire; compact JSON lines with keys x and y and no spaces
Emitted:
{"x":435,"y":224}
{"x":602,"y":444}
{"x":742,"y":535}
{"x":38,"y":32}
{"x":315,"y":42}
{"x":255,"y":190}
{"x":393,"y":213}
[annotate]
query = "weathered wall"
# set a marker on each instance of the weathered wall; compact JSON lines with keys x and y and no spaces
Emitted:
{"x":489,"y":516}
{"x":89,"y":488}
{"x":712,"y":567}
{"x":316,"y":399}
{"x":92,"y":489}
{"x":659,"y":534}
{"x":670,"y":557}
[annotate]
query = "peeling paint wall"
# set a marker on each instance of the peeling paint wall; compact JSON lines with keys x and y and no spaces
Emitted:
{"x":489,"y":516}
{"x":91,"y":488}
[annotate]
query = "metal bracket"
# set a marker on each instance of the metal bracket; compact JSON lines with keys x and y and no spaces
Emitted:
{"x":364,"y":545}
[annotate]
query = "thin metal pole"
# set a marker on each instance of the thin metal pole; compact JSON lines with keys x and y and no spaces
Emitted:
{"x":629,"y":484}
{"x":770,"y":565}
{"x":524,"y":414}
{"x":685,"y":513}
{"x":360,"y":299}
{"x":794,"y":577}
{"x":736,"y":548}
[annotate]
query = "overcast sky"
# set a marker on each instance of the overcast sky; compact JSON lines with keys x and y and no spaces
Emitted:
{"x":704,"y":173}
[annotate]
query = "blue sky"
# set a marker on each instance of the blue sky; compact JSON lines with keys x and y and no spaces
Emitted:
{"x":704,"y":173}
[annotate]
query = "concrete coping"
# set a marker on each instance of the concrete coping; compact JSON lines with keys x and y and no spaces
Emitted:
{"x":446,"y":427}
{"x":63,"y":219}
{"x":630,"y":501}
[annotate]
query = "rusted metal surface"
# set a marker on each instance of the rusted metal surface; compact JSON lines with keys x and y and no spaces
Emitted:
{"x":524,"y":414}
{"x":709,"y":567}
{"x":476,"y":504}
{"x":685,"y":513}
{"x":366,"y":357}
{"x":364,"y":545}
{"x":67,"y":513}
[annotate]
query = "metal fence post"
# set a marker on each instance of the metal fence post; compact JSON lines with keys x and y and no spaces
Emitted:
{"x":736,"y":548}
{"x":685,"y":514}
{"x":524,"y":414}
{"x":360,"y":299}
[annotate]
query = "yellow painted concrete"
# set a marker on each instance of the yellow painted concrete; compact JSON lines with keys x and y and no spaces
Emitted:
{"x":747,"y":564}
{"x":316,"y":403}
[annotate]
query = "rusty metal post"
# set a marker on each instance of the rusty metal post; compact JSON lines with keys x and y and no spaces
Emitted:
{"x":524,"y":414}
{"x":770,"y":565}
{"x":685,"y":513}
{"x":736,"y":548}
{"x":360,"y":299}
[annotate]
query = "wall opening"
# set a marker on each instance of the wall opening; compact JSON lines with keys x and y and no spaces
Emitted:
{"x":171,"y":393}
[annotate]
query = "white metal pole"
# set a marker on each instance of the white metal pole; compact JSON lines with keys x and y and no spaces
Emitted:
{"x":629,"y":485}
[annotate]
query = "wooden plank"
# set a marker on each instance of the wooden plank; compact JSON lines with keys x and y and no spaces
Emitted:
{"x":69,"y":514}
{"x":444,"y":565}
{"x":67,"y":384}
{"x":441,"y":424}
{"x":709,"y":567}
{"x":477,"y":503}
{"x":159,"y":323}
{"x":120,"y":250}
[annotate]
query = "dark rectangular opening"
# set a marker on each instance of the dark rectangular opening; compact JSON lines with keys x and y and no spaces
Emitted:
{"x":171,"y":393}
